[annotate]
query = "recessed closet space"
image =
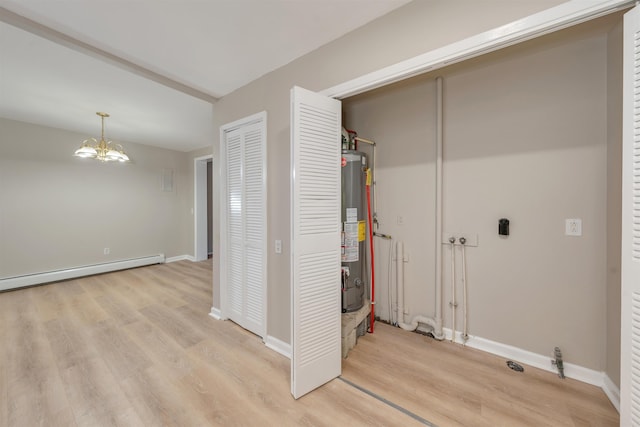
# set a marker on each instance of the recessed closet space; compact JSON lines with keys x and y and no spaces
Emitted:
{"x":527,"y":136}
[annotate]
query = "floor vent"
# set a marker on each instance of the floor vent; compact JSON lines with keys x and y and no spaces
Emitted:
{"x":516,"y":367}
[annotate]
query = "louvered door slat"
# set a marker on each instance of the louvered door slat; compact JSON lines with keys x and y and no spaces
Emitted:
{"x":315,"y":149}
{"x":630,"y":319}
{"x":635,"y":359}
{"x":235,"y":264}
{"x":254,"y":226}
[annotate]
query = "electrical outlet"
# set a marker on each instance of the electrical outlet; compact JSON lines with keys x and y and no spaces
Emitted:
{"x":573,"y":227}
{"x":278,"y":246}
{"x":107,"y":251}
{"x":400,"y":220}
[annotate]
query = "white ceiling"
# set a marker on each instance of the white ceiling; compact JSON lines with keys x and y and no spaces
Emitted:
{"x":71,"y":58}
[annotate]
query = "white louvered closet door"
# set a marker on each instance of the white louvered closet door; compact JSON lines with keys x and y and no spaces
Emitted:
{"x":234,"y":251}
{"x":315,"y":240}
{"x":630,"y":328}
{"x":245,"y":240}
{"x":255,"y":228}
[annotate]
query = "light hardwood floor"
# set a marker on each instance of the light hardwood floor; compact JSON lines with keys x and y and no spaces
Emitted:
{"x":137,"y":348}
{"x":452,"y":385}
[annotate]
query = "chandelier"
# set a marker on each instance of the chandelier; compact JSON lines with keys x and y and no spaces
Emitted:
{"x":102,"y":150}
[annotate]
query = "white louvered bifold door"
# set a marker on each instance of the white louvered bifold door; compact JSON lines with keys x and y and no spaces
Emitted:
{"x":234,"y":252}
{"x":630,"y":329}
{"x":315,"y":240}
{"x":245,"y":240}
{"x":255,"y":230}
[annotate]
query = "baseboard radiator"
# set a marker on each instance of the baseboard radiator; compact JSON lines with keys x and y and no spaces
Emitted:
{"x":71,"y":273}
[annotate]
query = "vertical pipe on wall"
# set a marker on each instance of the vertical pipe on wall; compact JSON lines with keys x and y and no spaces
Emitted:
{"x":372,"y":217}
{"x":436,"y":322}
{"x":373,"y":176}
{"x":372,"y":252}
{"x":400,"y":283}
{"x":465,"y":329}
{"x":439,"y":146}
{"x":453,"y":302}
{"x":437,"y":334}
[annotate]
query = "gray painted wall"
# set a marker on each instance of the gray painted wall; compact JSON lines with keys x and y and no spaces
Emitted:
{"x":525,"y":137}
{"x":58,"y":211}
{"x":614,"y":199}
{"x":409,"y":31}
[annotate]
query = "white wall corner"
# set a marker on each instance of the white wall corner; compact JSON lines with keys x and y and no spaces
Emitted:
{"x":216,"y":313}
{"x":612,"y":391}
{"x":180,"y":258}
{"x":278,"y":346}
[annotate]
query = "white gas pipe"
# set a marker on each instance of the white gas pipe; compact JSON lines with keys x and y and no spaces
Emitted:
{"x":437,"y":334}
{"x":436,"y":322}
{"x":400,"y":282}
{"x":438,"y":211}
{"x":453,"y":303}
{"x":465,"y":329}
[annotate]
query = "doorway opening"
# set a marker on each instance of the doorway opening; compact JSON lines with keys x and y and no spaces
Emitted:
{"x":203,"y":207}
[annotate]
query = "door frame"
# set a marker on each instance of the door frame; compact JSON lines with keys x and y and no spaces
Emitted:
{"x":200,"y":189}
{"x":547,"y":21}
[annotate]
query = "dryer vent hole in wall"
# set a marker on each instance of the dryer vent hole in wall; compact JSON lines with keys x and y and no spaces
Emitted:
{"x":515,"y":366}
{"x":416,"y":331}
{"x":425,"y":333}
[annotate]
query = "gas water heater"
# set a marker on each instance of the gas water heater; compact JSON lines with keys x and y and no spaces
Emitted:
{"x":354,"y":230}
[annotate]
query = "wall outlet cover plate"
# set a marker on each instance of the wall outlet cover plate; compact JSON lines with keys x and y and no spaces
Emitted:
{"x":573,"y":227}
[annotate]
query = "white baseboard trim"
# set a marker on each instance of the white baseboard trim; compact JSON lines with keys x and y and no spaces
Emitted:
{"x":539,"y":361}
{"x":278,"y":346}
{"x":71,"y":273}
{"x":576,"y":372}
{"x":612,"y":391}
{"x":216,"y":313}
{"x":180,"y":258}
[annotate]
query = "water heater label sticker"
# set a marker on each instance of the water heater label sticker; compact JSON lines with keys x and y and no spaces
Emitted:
{"x":362,"y":231}
{"x":350,"y":254}
{"x":351,"y":244}
{"x":352,"y":215}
